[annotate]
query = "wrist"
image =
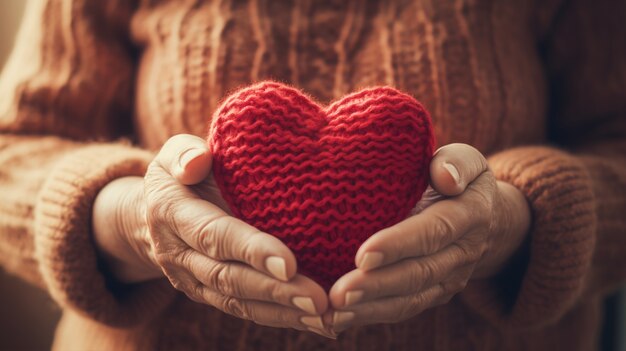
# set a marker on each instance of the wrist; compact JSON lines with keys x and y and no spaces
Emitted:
{"x":510,"y":230}
{"x":119,"y":230}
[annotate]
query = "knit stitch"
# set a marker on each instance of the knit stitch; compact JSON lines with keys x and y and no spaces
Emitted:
{"x":322,"y":180}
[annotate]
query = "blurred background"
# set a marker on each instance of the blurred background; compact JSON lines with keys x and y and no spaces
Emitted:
{"x":28,"y":316}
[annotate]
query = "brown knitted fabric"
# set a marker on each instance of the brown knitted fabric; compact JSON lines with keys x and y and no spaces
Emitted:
{"x":88,"y":76}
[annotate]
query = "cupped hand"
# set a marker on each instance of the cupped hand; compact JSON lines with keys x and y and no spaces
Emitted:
{"x":174,"y":222}
{"x":472,"y":231}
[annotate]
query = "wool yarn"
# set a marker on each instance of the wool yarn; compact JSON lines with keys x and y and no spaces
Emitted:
{"x":322,"y":179}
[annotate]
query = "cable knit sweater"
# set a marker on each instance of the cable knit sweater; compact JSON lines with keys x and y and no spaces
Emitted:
{"x":94,"y":88}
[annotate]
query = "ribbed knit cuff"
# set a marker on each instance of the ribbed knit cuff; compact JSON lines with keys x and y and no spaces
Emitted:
{"x":64,"y":244}
{"x":544,"y":282}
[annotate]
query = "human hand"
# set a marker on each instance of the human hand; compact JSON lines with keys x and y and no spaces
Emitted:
{"x":423,"y":261}
{"x":174,"y":222}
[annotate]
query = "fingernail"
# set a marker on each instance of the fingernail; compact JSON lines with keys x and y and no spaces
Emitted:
{"x":276,"y":266}
{"x":304,"y":303}
{"x":312,"y":321}
{"x":340,"y":318}
{"x":453,"y":171}
{"x":371,"y":260}
{"x":188,"y":156}
{"x":353,"y":297}
{"x":323,"y":333}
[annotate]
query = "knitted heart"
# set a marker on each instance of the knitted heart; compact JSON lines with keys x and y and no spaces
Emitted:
{"x":322,"y":180}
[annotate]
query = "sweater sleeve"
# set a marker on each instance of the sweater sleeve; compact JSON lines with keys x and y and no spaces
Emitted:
{"x":65,"y":106}
{"x":577,"y":188}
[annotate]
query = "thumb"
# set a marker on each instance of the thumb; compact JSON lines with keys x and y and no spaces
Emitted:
{"x":187,"y":158}
{"x":454,"y":167}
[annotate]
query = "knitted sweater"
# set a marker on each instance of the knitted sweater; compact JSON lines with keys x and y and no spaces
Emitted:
{"x":94,"y":88}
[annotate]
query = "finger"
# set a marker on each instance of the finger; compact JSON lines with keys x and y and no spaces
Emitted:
{"x":204,"y":227}
{"x":388,"y":310}
{"x":454,"y":166}
{"x":403,"y":278}
{"x":185,"y":157}
{"x":433,"y":229}
{"x":241,"y":281}
{"x":263,"y":313}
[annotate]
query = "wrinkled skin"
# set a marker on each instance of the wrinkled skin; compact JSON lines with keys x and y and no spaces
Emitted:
{"x":467,"y":226}
{"x":174,"y":223}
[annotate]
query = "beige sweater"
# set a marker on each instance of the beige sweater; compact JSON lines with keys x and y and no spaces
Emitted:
{"x":94,"y":88}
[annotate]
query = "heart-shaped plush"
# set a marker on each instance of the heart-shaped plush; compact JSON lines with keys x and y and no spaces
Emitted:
{"x":322,"y":179}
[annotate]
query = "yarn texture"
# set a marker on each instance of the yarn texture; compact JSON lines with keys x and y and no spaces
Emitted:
{"x":322,"y":179}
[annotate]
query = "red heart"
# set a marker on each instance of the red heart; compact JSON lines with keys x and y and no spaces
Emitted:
{"x":322,"y":180}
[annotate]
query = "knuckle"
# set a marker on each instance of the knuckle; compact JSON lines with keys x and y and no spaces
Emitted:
{"x":235,"y":307}
{"x":227,"y":305}
{"x":207,"y":242}
{"x":211,"y":236}
{"x":444,"y":226}
{"x":468,"y":255}
{"x":377,"y":287}
{"x":225,"y":283}
{"x":428,"y":273}
{"x":183,"y":258}
{"x":249,"y":247}
{"x":196,"y":289}
{"x":277,"y":291}
{"x":465,"y":254}
{"x":419,"y":275}
{"x":465,"y":260}
{"x":218,"y":278}
{"x":415,"y":301}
